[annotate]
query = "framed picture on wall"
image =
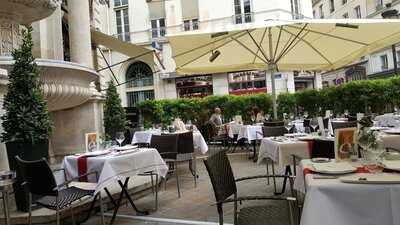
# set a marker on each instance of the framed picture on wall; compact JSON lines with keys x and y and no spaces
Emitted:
{"x":91,"y":142}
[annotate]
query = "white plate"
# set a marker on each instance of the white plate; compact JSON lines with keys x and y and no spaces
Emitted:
{"x":126,"y":147}
{"x":392,"y":131}
{"x":320,"y":160}
{"x":333,"y":168}
{"x":379,"y":128}
{"x":367,"y":178}
{"x":392,"y":164}
{"x":96,"y":153}
{"x":295,"y":135}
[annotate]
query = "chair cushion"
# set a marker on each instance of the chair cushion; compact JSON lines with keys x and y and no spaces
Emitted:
{"x":65,"y":198}
{"x":276,"y":214}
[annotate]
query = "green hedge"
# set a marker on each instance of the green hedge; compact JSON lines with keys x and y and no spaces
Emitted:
{"x":163,"y":111}
{"x":359,"y":96}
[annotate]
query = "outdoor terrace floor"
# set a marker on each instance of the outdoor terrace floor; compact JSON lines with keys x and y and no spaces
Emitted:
{"x":196,"y":204}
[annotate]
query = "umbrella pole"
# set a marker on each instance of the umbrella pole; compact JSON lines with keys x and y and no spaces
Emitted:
{"x":272,"y":69}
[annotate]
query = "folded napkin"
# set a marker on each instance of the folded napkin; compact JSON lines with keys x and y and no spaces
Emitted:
{"x":392,"y":164}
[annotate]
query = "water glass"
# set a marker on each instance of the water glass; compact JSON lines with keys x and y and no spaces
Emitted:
{"x":120,"y":137}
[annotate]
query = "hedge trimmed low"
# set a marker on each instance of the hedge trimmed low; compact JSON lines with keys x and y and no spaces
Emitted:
{"x":358,"y":96}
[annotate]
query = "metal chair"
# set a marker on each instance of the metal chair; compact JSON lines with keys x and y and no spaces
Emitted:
{"x":39,"y":181}
{"x":167,"y":146}
{"x":273,"y":131}
{"x":225,"y":190}
{"x":186,"y":152}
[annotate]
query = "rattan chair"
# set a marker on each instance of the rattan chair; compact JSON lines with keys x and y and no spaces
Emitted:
{"x":274,"y":131}
{"x":225,"y":190}
{"x":39,"y":180}
{"x":167,"y":146}
{"x":186,"y":152}
{"x":274,"y":123}
{"x":323,"y":149}
{"x":339,"y":125}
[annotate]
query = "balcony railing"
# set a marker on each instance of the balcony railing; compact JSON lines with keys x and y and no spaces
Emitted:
{"x":158,"y":32}
{"x":243,"y":18}
{"x":143,"y":82}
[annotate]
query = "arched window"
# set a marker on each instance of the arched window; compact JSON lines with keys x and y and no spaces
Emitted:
{"x":139,"y":74}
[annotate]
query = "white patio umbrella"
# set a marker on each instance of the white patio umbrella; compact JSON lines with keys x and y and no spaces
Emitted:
{"x":281,"y":45}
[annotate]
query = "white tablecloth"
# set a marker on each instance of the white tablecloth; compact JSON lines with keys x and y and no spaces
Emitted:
{"x":233,"y":129}
{"x":145,"y":137}
{"x":391,"y":141}
{"x":331,"y":202}
{"x":281,"y":152}
{"x":114,"y":167}
{"x":250,"y":132}
{"x":387,"y":120}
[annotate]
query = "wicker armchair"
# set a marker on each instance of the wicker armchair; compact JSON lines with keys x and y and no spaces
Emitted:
{"x":167,"y":146}
{"x":225,"y":190}
{"x":339,"y":125}
{"x":39,"y":180}
{"x":186,"y":152}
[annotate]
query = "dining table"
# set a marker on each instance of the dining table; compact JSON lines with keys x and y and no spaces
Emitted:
{"x":344,"y":192}
{"x":113,"y":166}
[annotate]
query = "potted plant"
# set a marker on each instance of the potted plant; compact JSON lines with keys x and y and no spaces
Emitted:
{"x":26,"y":122}
{"x":114,"y":114}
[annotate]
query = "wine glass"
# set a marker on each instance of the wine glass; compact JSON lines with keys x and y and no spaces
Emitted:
{"x":267,"y":117}
{"x":288,"y":124}
{"x":346,"y":113}
{"x":120,"y":137}
{"x":253,"y":118}
{"x":305,"y":115}
{"x":314,"y":124}
{"x":396,"y":109}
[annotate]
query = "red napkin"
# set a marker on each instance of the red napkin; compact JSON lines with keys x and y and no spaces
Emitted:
{"x":82,"y":168}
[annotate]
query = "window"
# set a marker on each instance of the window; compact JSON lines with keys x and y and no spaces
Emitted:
{"x":135,"y":97}
{"x":190,"y":87}
{"x":295,"y":6}
{"x":344,"y":2}
{"x":192,"y":24}
{"x":357,"y":11}
{"x":346,"y":15}
{"x":332,"y":5}
{"x":378,"y":4}
{"x":118,"y":3}
{"x":158,"y":28}
{"x":384,"y":62}
{"x":139,"y":74}
{"x":321,"y":11}
{"x":398,"y":57}
{"x":122,"y":20}
{"x":243,"y":12}
{"x":246,"y":82}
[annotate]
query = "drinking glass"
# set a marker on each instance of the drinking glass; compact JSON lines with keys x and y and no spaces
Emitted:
{"x":346,"y":113}
{"x":288,"y":124}
{"x":305,"y":115}
{"x":253,"y":118}
{"x":120,"y":137}
{"x":314,"y":124}
{"x":267,"y":116}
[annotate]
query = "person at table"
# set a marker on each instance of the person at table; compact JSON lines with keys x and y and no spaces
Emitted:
{"x":258,"y":114}
{"x":216,"y":119}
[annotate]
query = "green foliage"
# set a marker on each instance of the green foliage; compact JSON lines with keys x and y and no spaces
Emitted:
{"x":114,"y":113}
{"x":27,"y":118}
{"x":164,"y":111}
{"x":358,"y":96}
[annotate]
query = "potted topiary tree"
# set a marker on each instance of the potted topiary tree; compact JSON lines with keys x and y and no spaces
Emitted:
{"x":114,"y":114}
{"x":26,"y":122}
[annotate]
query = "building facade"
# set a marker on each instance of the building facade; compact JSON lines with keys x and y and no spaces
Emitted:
{"x":67,"y":63}
{"x":147,"y":22}
{"x":380,"y":64}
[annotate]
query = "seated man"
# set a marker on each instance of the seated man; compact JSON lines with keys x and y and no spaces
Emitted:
{"x":216,"y":120}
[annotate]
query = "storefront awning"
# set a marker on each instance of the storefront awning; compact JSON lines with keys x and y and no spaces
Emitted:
{"x":131,"y":50}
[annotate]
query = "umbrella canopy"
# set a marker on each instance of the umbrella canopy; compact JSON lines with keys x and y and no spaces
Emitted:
{"x":281,"y":45}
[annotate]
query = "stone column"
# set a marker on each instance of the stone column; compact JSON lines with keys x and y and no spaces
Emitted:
{"x":79,"y":32}
{"x":3,"y":90}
